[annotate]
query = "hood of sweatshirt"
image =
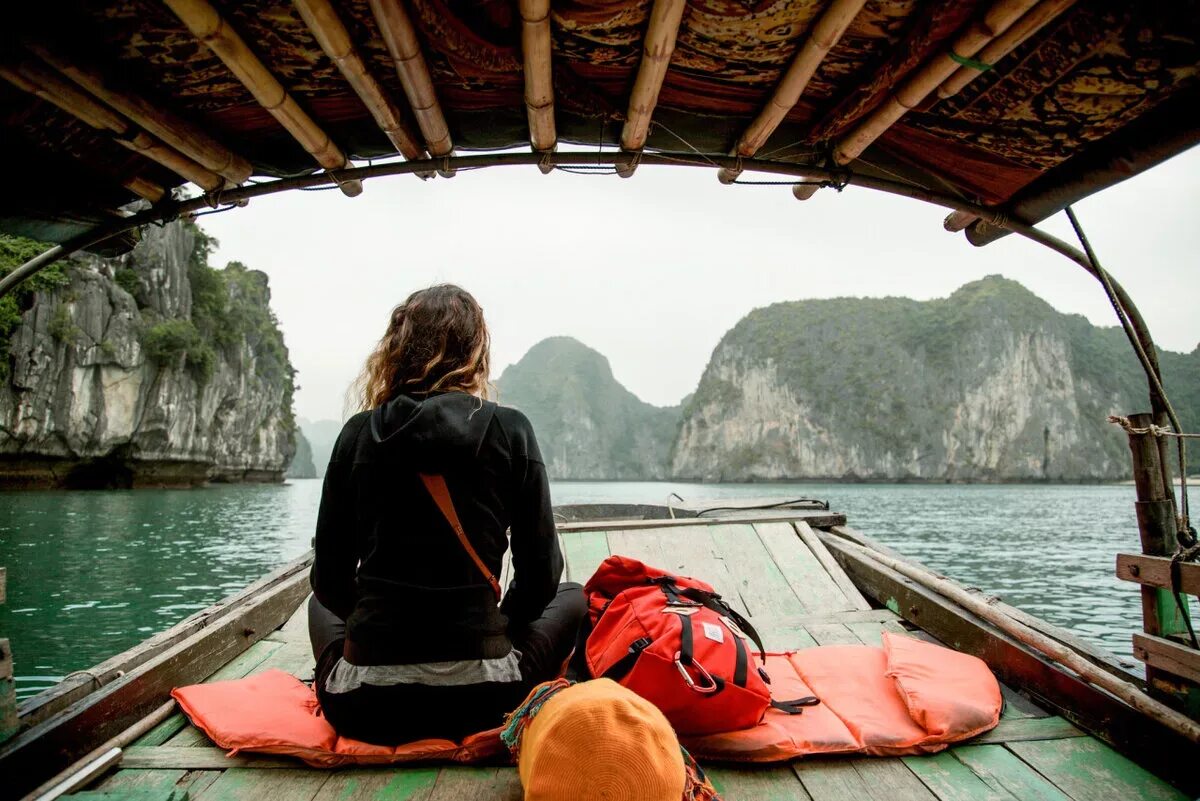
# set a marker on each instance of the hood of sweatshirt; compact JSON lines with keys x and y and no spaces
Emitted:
{"x":432,"y":432}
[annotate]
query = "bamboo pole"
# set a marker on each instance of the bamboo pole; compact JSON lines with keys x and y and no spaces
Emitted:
{"x":401,"y":39}
{"x":1041,"y":15}
{"x":1047,"y":646}
{"x":995,"y":21}
{"x":207,"y":25}
{"x":958,"y":220}
{"x":539,"y":84}
{"x":179,"y":134}
{"x":657,"y":47}
{"x":49,"y":86}
{"x":331,"y":34}
{"x":144,"y":188}
{"x":822,"y":36}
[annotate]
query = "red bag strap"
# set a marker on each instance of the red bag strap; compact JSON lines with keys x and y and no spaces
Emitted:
{"x":436,"y":485}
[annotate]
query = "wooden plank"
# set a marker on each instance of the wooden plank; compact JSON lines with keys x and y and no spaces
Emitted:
{"x":380,"y":784}
{"x":1017,"y":705}
{"x":1163,"y":654}
{"x":158,"y":780}
{"x":1155,"y":571}
{"x":891,"y":780}
{"x":239,"y":784}
{"x":835,"y":571}
{"x":465,"y":783}
{"x":47,"y":748}
{"x":761,"y":585}
{"x":3,"y":584}
{"x":811,"y":582}
{"x":999,"y":767}
{"x":296,"y":627}
{"x":161,"y":757}
{"x":815,"y":519}
{"x":584,"y":551}
{"x":1086,"y":769}
{"x":41,"y":706}
{"x":871,"y":632}
{"x":833,"y":634}
{"x":10,"y":722}
{"x":787,"y":638}
{"x":1011,"y":730}
{"x":765,"y":783}
{"x":674,"y":552}
{"x":951,"y":780}
{"x":1150,"y":742}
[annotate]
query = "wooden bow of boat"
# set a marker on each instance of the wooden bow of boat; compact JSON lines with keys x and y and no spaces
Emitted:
{"x":799,"y":575}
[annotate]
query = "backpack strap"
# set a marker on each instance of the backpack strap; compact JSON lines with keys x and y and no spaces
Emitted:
{"x":795,"y":707}
{"x":436,"y":484}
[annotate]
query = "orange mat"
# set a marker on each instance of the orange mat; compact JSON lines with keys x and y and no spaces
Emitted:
{"x":909,"y":697}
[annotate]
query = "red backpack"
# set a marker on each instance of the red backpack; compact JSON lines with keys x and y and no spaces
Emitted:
{"x":673,"y":641}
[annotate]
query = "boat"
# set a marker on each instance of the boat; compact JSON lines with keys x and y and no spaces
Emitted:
{"x":1002,"y":111}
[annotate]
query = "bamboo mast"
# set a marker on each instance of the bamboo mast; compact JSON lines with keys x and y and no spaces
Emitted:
{"x":181,"y":135}
{"x":207,"y":25}
{"x":401,"y":39}
{"x":331,"y":34}
{"x":914,"y":89}
{"x":47,"y":85}
{"x":539,"y":84}
{"x":822,"y":36}
{"x":657,"y":47}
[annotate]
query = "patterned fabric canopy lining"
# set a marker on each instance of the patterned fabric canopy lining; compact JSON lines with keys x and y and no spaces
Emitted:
{"x":1094,"y":70}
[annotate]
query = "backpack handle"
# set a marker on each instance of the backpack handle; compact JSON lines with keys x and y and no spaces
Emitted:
{"x":436,"y":485}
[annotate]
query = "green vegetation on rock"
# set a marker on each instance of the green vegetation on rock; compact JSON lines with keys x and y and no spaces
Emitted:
{"x":15,"y":251}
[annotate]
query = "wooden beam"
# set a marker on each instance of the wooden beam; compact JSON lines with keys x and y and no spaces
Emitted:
{"x":958,"y":220}
{"x":331,"y":34}
{"x":1163,"y":654}
{"x":180,"y":134}
{"x":207,"y":25}
{"x":42,"y":750}
{"x":45,"y":83}
{"x":1155,"y":571}
{"x":657,"y":47}
{"x":823,"y":35}
{"x":9,"y":722}
{"x":144,"y":188}
{"x":815,"y":519}
{"x":1044,"y":13}
{"x":539,"y":84}
{"x":914,"y":89}
{"x":401,"y":39}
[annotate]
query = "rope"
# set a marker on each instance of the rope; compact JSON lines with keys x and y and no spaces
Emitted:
{"x":1152,"y":430}
{"x":1182,"y":524}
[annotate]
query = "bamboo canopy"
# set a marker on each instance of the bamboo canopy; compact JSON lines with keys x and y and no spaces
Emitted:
{"x":209,"y":27}
{"x":1017,"y":107}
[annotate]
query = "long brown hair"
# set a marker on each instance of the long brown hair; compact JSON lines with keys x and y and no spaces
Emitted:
{"x":436,"y":341}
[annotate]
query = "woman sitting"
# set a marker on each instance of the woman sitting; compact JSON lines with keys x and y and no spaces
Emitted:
{"x":409,"y":635}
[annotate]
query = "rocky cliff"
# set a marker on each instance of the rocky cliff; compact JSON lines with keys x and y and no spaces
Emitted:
{"x":990,"y":384}
{"x":302,"y":463}
{"x":587,"y":424}
{"x":148,"y":369}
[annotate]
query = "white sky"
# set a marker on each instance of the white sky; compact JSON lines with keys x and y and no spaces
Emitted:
{"x":653,"y":270}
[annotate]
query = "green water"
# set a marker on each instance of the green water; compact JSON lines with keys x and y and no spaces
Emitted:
{"x":91,"y":574}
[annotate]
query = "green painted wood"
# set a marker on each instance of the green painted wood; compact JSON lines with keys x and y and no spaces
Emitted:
{"x":265,"y":785}
{"x":812,"y":584}
{"x":143,"y":794}
{"x":891,"y":780}
{"x":200,"y":758}
{"x":1088,"y":769}
{"x":1017,"y":705}
{"x":462,"y":783}
{"x":1012,"y":730}
{"x":761,"y":585}
{"x":787,"y":638}
{"x":831,"y":780}
{"x":951,"y":780}
{"x":152,"y":779}
{"x":871,"y":633}
{"x":197,"y":781}
{"x":767,"y":783}
{"x":291,"y":657}
{"x":833,"y":634}
{"x":380,"y":784}
{"x":163,"y":731}
{"x":584,"y":551}
{"x":999,"y":766}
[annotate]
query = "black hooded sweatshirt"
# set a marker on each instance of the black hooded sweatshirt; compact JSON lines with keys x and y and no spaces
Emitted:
{"x":388,"y":563}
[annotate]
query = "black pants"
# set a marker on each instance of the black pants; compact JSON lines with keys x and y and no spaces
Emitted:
{"x":402,"y":713}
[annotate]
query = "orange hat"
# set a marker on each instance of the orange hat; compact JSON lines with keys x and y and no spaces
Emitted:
{"x":598,"y":740}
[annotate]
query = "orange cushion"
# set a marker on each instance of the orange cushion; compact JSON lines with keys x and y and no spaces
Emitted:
{"x":275,"y":713}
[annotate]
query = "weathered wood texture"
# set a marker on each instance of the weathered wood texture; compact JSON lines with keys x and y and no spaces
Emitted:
{"x":9,"y":722}
{"x":1169,"y":656}
{"x":1155,"y":571}
{"x":53,"y":744}
{"x":41,"y":706}
{"x":1149,"y":742}
{"x":815,"y":518}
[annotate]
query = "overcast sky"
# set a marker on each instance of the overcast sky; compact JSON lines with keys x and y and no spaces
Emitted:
{"x":653,"y":270}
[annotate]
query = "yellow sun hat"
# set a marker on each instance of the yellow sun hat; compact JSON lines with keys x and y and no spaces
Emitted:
{"x":597,"y":741}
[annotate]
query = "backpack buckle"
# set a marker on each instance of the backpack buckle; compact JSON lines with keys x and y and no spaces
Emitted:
{"x":708,"y":685}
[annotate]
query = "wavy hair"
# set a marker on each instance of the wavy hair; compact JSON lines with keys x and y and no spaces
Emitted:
{"x":436,"y":341}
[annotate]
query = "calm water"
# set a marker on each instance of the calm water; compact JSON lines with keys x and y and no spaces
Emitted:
{"x":93,"y":573}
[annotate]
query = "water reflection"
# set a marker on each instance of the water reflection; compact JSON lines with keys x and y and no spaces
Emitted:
{"x":93,"y":573}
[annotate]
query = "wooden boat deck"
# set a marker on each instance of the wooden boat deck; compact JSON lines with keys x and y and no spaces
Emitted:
{"x":797,"y":596}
